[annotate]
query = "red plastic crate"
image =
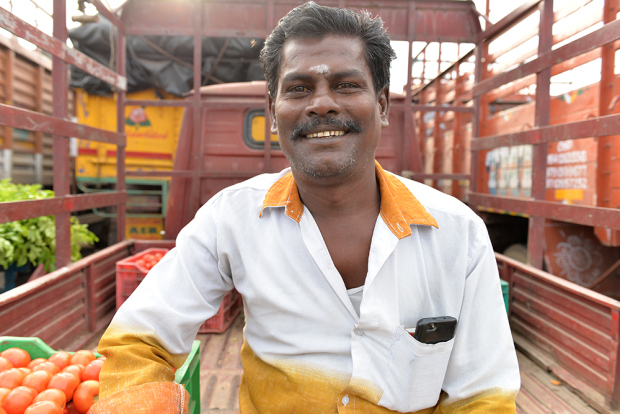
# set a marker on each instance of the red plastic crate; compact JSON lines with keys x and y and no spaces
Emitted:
{"x":129,"y":274}
{"x":229,"y":310}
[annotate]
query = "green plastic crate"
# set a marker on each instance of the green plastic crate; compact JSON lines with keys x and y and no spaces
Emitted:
{"x":505,"y":288}
{"x":188,"y":375}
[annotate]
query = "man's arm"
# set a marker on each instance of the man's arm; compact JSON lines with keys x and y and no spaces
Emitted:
{"x":152,"y":333}
{"x":483,"y":373}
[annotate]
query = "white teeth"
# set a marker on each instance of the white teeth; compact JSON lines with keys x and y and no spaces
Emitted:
{"x":325,"y":134}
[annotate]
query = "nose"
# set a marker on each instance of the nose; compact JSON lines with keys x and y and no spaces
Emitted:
{"x":323,"y":102}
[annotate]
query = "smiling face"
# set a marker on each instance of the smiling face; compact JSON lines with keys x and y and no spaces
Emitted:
{"x":326,"y":113}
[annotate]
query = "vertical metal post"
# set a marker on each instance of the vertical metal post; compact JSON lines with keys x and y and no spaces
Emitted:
{"x":91,"y":306}
{"x":477,"y":115}
{"x":121,"y":68}
{"x":536,"y":231}
{"x":267,"y":142}
{"x":438,"y":147}
{"x":8,"y":131}
{"x":61,"y":144}
{"x":411,"y":144}
{"x":606,"y":145}
{"x":267,"y":145}
{"x":38,"y":136}
{"x":612,"y":395}
{"x":197,"y":139}
{"x":458,"y":152}
{"x":422,"y":100}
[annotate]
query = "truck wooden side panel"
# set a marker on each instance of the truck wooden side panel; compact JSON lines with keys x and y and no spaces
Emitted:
{"x":571,"y":330}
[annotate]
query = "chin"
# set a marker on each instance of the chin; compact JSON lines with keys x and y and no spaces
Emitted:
{"x":327,"y":169}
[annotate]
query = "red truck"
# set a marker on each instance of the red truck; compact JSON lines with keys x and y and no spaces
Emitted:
{"x":442,"y":131}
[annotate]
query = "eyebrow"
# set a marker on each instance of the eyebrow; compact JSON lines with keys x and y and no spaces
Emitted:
{"x":292,"y":77}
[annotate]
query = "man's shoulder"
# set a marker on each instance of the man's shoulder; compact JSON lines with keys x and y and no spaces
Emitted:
{"x":437,"y":202}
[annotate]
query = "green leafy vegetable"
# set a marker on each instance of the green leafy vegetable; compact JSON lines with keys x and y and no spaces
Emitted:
{"x":34,"y":240}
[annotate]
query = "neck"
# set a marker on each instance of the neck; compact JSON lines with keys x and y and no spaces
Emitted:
{"x":341,"y":196}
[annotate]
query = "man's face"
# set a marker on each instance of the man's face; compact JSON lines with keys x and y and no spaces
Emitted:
{"x":326,"y":113}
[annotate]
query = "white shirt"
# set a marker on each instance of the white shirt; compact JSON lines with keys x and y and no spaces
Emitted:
{"x":306,"y":348}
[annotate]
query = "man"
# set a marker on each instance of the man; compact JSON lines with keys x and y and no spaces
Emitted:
{"x":335,"y":259}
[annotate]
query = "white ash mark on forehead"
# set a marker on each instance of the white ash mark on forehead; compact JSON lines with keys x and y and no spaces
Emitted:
{"x":320,"y":69}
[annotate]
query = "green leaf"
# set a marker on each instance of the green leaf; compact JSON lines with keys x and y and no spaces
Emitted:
{"x":34,"y":240}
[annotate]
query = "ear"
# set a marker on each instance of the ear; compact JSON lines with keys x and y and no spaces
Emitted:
{"x":383,"y":99}
{"x":272,"y":115}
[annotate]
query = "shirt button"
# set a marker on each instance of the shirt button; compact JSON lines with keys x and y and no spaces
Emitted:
{"x":345,"y":399}
{"x":358,"y":332}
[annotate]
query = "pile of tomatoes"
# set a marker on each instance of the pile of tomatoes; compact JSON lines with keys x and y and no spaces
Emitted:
{"x":149,"y":260}
{"x":61,"y":384}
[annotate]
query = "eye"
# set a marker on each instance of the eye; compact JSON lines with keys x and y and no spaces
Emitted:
{"x":298,"y":88}
{"x":346,"y":85}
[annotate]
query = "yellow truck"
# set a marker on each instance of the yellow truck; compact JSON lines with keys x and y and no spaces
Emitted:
{"x":152,"y":134}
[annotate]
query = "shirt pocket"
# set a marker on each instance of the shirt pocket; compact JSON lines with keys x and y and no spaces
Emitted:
{"x":415,"y":373}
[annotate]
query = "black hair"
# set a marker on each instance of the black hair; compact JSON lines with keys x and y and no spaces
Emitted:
{"x":312,"y":20}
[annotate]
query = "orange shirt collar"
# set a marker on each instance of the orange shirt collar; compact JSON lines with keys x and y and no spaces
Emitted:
{"x":399,"y":208}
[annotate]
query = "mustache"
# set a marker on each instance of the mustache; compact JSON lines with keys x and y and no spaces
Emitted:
{"x":302,"y":129}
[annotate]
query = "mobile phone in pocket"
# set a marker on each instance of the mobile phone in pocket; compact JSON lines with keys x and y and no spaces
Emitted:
{"x":435,"y":330}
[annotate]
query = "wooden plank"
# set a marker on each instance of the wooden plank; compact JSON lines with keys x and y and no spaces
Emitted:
{"x":560,"y":338}
{"x":595,"y":337}
{"x":39,"y":300}
{"x":565,"y":357}
{"x":537,"y":385}
{"x":577,"y":385}
{"x":583,"y":310}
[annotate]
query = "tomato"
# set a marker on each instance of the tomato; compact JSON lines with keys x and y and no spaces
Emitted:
{"x":36,"y":362}
{"x":91,"y":371}
{"x":3,"y":393}
{"x":61,"y":358}
{"x":76,"y":370}
{"x":5,"y":364}
{"x":65,"y":382}
{"x":18,"y":400}
{"x":83,"y":357}
{"x":2,"y":411}
{"x":18,"y":357}
{"x":37,"y":380}
{"x":70,"y":409}
{"x":85,"y":395}
{"x":11,"y":378}
{"x":25,"y":370}
{"x":102,"y":358}
{"x":147,"y":257}
{"x":141,"y":263}
{"x":52,"y":394}
{"x":44,"y":407}
{"x":47,"y":366}
{"x":158,"y":256}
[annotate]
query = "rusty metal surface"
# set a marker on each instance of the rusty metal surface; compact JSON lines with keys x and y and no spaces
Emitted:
{"x":59,"y":49}
{"x":121,"y":68}
{"x":440,"y":20}
{"x":33,"y":121}
{"x":600,"y":37}
{"x":508,"y":21}
{"x":61,"y":186}
{"x":593,"y":127}
{"x":587,"y":216}
{"x":442,"y":108}
{"x":57,"y":307}
{"x":20,"y":210}
{"x":101,"y":8}
{"x":542,"y":118}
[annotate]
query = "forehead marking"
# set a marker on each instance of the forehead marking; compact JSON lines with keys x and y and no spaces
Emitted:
{"x":320,"y":69}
